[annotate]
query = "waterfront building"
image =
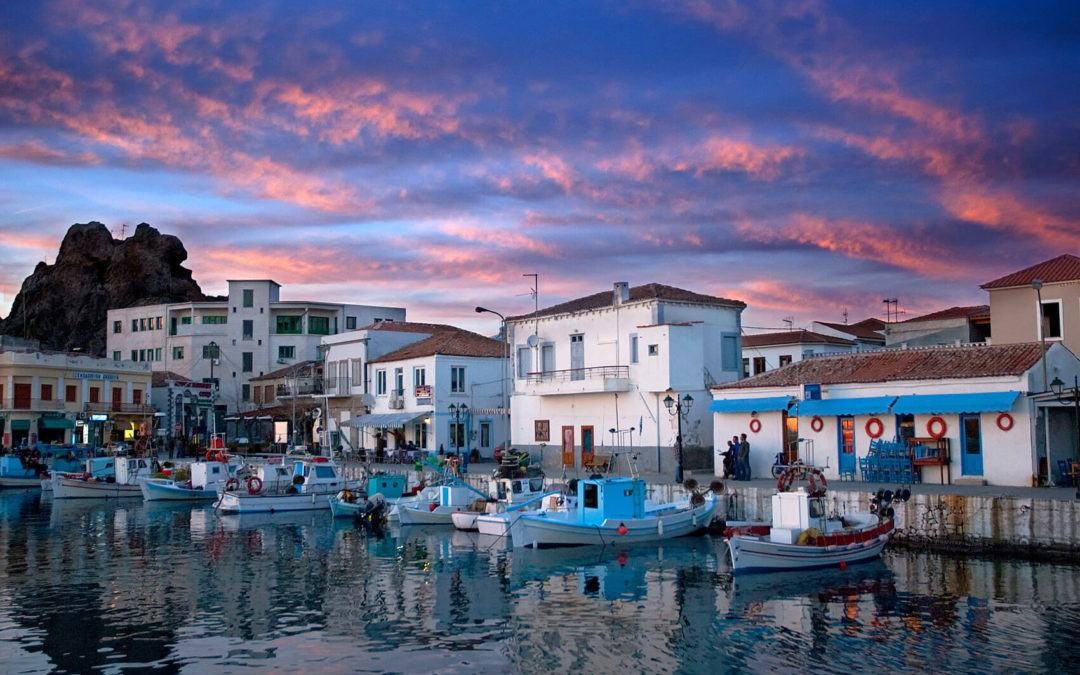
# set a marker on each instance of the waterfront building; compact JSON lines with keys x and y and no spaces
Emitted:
{"x":430,"y":385}
{"x":229,"y":341}
{"x":184,"y":409}
{"x":768,"y":351}
{"x":952,"y":326}
{"x":980,"y":403}
{"x":591,"y":374}
{"x":69,"y":398}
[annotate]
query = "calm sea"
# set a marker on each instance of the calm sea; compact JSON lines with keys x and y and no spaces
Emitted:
{"x":129,"y":587}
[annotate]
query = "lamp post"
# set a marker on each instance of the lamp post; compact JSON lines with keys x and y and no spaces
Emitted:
{"x":503,"y":403}
{"x":1037,"y":284}
{"x":457,"y":412}
{"x":212,"y":427}
{"x":678,"y":409}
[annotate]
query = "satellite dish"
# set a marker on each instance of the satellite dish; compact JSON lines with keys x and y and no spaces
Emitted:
{"x":533,"y":341}
{"x":368,"y":400}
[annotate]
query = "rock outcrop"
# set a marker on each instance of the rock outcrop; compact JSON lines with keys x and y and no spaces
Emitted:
{"x":64,"y":305}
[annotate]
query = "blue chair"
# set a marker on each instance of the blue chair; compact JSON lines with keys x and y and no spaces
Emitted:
{"x":1064,"y":467}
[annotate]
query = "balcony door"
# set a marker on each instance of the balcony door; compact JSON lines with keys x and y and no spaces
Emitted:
{"x":847,"y":461}
{"x":577,"y":357}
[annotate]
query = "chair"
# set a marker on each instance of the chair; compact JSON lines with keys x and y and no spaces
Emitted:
{"x":864,"y":468}
{"x":1065,"y":468}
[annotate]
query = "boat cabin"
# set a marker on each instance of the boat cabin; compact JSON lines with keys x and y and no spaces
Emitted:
{"x":101,"y":467}
{"x":12,"y":466}
{"x":600,"y":499}
{"x":795,"y":512}
{"x":517,"y":490}
{"x":456,"y":494}
{"x":389,"y":485}
{"x":130,"y":469}
{"x":212,"y":473}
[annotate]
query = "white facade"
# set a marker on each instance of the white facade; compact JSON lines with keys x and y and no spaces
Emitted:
{"x":758,"y":358}
{"x":254,"y":330}
{"x":1008,"y":456}
{"x":606,"y":366}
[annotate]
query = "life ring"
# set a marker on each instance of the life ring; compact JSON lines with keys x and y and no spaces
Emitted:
{"x":874,"y":428}
{"x":210,"y":454}
{"x":232,"y":484}
{"x":755,"y":425}
{"x":818,"y":485}
{"x":933,"y":423}
{"x":817,"y":424}
{"x":254,"y":485}
{"x":785,"y":480}
{"x":1005,"y":421}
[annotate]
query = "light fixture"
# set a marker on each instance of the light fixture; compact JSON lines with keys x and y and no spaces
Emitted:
{"x":1057,"y":386}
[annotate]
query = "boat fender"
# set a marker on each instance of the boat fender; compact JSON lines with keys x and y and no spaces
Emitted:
{"x":622,"y":528}
{"x":432,"y":507}
{"x":659,"y":527}
{"x":807,"y":536}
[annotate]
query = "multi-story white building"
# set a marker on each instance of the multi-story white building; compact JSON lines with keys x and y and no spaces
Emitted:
{"x":431,"y":385}
{"x":248,"y":334}
{"x":595,"y":372}
{"x":768,"y":351}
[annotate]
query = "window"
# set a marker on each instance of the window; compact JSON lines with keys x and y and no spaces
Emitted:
{"x":211,"y":319}
{"x":343,"y":374}
{"x":633,"y":348}
{"x":116,"y":326}
{"x":523,"y":362}
{"x":287,"y":325}
{"x":134,"y":325}
{"x":268,"y":393}
{"x":136,"y":396}
{"x":419,"y":376}
{"x":729,"y":351}
{"x":211,"y":352}
{"x":185,"y":320}
{"x":248,"y":330}
{"x":95,"y":394}
{"x":157,"y":322}
{"x":245,"y":392}
{"x":547,"y":358}
{"x":380,"y":382}
{"x":178,"y":353}
{"x":759,"y":364}
{"x":357,"y":372}
{"x":399,"y":381}
{"x":654,"y":350}
{"x":785,"y":360}
{"x":46,"y":392}
{"x":142,"y":354}
{"x":421,"y":435}
{"x":457,"y":379}
{"x":134,"y":355}
{"x":350,"y":323}
{"x":70,"y":393}
{"x":457,"y":435}
{"x":286,"y":352}
{"x":485,"y":434}
{"x":1051,"y":319}
{"x":246,"y":359}
{"x":157,"y":353}
{"x":116,"y":355}
{"x":249,"y":297}
{"x":319,"y":325}
{"x":746,"y":367}
{"x":142,"y":324}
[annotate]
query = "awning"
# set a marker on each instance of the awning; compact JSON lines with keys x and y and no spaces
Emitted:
{"x":743,"y":405}
{"x":20,"y":425}
{"x":989,"y":401}
{"x":56,"y":423}
{"x":868,"y":405}
{"x":384,"y":421}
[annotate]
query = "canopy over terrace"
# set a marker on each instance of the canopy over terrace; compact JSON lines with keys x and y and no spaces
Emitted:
{"x":257,"y":426}
{"x":384,"y":420}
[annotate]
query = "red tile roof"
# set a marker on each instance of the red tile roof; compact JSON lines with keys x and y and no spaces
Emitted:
{"x":158,"y":378}
{"x":867,"y":329}
{"x":637,"y":294}
{"x":1062,"y":268}
{"x":953,"y":313}
{"x":792,"y":337}
{"x":453,"y":342}
{"x":888,"y":365}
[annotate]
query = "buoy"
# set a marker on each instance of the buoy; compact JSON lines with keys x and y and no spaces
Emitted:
{"x":843,"y":565}
{"x":622,"y":528}
{"x":431,"y":507}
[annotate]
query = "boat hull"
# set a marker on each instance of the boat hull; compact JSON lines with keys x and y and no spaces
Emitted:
{"x":72,"y":488}
{"x":756,"y":553}
{"x":373,"y":507}
{"x":440,"y":515}
{"x":465,"y":520}
{"x":234,"y":502}
{"x":551,"y":529}
{"x":161,"y":489}
{"x":12,"y":482}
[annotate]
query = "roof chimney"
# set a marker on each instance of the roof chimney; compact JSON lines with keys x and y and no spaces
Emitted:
{"x":622,"y":292}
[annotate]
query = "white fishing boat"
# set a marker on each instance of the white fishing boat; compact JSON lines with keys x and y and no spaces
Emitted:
{"x":452,"y":497}
{"x":113,"y":477}
{"x":503,"y":493}
{"x":289,"y":484}
{"x":207,"y":479}
{"x":499,"y":524}
{"x":803,"y":536}
{"x":355,"y":505}
{"x":614,"y":511}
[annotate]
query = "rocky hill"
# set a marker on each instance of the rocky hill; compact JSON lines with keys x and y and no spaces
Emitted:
{"x":64,"y":305}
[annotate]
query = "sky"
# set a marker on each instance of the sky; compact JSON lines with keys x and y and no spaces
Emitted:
{"x":810,"y":159}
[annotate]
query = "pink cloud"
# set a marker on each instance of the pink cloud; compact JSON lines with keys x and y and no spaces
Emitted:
{"x":38,"y":153}
{"x":553,"y":168}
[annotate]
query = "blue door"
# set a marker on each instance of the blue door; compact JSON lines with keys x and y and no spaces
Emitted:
{"x":971,"y":463}
{"x":847,"y":444}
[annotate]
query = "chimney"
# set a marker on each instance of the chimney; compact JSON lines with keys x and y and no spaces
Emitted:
{"x":622,"y":292}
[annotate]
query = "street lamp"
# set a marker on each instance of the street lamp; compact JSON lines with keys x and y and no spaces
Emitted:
{"x":213,"y":392}
{"x":678,"y":409}
{"x":458,"y":412}
{"x":503,"y":403}
{"x":1037,"y":284}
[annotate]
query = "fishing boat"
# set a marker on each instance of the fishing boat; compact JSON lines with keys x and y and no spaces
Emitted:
{"x":112,"y":477}
{"x":503,"y":493}
{"x":207,"y":478}
{"x":351,"y":504}
{"x":452,"y":497}
{"x":614,"y":511}
{"x":803,"y":536}
{"x":285,"y":484}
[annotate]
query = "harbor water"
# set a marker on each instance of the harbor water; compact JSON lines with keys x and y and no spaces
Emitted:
{"x":118,"y":587}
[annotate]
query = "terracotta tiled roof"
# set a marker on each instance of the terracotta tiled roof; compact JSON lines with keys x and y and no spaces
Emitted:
{"x":792,"y":337}
{"x":953,"y":313}
{"x":637,"y":294}
{"x":158,"y":378}
{"x":888,"y":365}
{"x":305,"y":368}
{"x":867,"y":329}
{"x":1062,"y":268}
{"x":455,"y":342}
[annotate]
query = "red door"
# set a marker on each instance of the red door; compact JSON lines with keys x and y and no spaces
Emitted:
{"x":568,"y":446}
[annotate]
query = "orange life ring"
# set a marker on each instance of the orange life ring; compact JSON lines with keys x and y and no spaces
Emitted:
{"x":755,"y":425}
{"x":210,"y":454}
{"x":817,"y":424}
{"x":930,"y":425}
{"x":1005,"y":421}
{"x":879,"y":428}
{"x":254,"y":485}
{"x":232,"y":484}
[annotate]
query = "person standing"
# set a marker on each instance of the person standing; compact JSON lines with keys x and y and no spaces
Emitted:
{"x":743,"y":461}
{"x":728,"y":457}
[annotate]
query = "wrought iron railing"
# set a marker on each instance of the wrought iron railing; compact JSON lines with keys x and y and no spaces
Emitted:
{"x":573,"y":374}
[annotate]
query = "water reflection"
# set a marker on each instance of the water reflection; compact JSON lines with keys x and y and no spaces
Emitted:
{"x":95,"y":585}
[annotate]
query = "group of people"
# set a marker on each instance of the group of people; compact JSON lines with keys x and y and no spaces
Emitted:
{"x":737,"y":458}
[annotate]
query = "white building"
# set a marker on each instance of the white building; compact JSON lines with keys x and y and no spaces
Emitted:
{"x":591,"y":374}
{"x":389,"y":384}
{"x":981,"y":401}
{"x":253,"y":332}
{"x":867,"y":334}
{"x":769,"y":351}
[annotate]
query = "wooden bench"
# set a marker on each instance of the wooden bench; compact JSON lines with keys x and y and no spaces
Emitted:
{"x":598,"y":463}
{"x":939,"y":456}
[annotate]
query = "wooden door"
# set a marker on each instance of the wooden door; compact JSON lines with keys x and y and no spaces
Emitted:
{"x":568,"y":446}
{"x":586,"y":446}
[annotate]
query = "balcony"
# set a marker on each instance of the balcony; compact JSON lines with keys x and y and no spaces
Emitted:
{"x":113,"y":407}
{"x":36,"y":405}
{"x":302,"y":388}
{"x":595,"y":380}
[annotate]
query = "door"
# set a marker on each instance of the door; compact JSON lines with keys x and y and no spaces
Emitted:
{"x":971,"y":463}
{"x":847,"y":444}
{"x":577,"y":357}
{"x":586,"y":445}
{"x":568,"y":446}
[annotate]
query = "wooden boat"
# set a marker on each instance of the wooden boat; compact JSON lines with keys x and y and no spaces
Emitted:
{"x":350,"y":504}
{"x":285,"y":484}
{"x":614,"y":511}
{"x":452,"y":497}
{"x":804,"y":536}
{"x":114,"y":477}
{"x":207,"y":479}
{"x":503,"y":493}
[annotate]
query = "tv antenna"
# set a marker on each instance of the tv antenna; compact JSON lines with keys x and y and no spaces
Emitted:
{"x":891,"y":302}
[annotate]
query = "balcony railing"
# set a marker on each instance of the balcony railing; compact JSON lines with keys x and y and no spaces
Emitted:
{"x":112,"y":407}
{"x":301,"y":389}
{"x":37,"y":405}
{"x":594,"y":373}
{"x":598,"y":379}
